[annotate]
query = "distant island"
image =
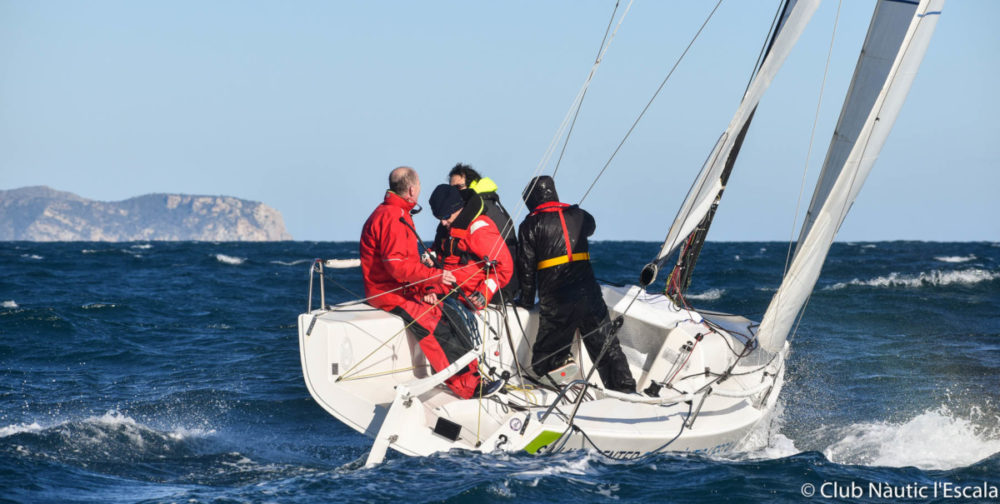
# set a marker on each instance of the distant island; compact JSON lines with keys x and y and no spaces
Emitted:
{"x":40,"y":213}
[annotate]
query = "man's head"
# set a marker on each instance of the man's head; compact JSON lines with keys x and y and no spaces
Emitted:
{"x":541,"y":189}
{"x":404,"y":182}
{"x":446,"y":203}
{"x":462,"y":176}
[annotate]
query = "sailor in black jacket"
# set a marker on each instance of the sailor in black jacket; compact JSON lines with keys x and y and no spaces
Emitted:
{"x":554,"y":258}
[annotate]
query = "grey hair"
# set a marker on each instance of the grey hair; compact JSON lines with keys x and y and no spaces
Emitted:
{"x":401,"y":179}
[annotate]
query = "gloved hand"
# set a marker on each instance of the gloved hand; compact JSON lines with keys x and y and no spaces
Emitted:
{"x":523,"y":303}
{"x":476,"y":300}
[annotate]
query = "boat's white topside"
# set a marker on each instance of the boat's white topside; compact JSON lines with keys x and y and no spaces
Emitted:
{"x":358,"y":360}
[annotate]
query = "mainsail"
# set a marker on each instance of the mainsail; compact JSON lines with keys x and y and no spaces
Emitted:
{"x":710,"y":182}
{"x":680,"y":278}
{"x":897,"y":39}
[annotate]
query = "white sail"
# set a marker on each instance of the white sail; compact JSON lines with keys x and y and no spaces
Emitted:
{"x":854,"y":149}
{"x":708,"y":183}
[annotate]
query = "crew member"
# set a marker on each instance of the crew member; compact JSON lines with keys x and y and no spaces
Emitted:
{"x":554,"y":257}
{"x":397,"y":282}
{"x":472,"y":250}
{"x":481,"y":197}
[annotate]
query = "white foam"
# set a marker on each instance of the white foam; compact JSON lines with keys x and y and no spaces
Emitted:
{"x":578,"y":465}
{"x":9,"y":304}
{"x":936,"y":439}
{"x":956,"y":259}
{"x":938,"y":278}
{"x":10,"y":430}
{"x":32,"y":256}
{"x":709,"y":295}
{"x":142,"y":246}
{"x":223,"y":258}
{"x":98,"y":306}
{"x":293,"y":263}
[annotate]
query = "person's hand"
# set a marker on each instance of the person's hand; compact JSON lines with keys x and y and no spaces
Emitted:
{"x":523,"y":303}
{"x":477,"y":300}
{"x":430,"y":298}
{"x":448,"y":278}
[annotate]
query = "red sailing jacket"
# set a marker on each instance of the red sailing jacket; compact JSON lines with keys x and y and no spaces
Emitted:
{"x":481,"y":239}
{"x":389,"y":256}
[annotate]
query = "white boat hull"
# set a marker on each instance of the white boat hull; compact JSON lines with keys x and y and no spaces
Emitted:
{"x":362,"y":367}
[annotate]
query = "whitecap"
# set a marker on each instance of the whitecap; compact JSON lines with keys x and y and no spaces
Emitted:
{"x":88,"y":251}
{"x":956,"y":259}
{"x":98,"y":306}
{"x":32,"y":256}
{"x":223,"y":258}
{"x":142,"y":246}
{"x":936,"y":439}
{"x":709,"y":295}
{"x":869,"y":246}
{"x":934,"y":278}
{"x":293,"y":263}
{"x":8,"y":304}
{"x":10,"y":430}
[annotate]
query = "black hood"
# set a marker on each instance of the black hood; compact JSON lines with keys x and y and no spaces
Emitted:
{"x":541,"y":189}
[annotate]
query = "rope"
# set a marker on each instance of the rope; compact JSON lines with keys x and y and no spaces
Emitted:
{"x":641,"y":114}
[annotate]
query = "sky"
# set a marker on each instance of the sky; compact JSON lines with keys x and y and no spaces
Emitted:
{"x":306,"y":106}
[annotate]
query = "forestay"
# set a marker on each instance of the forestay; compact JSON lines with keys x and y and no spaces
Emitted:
{"x":894,"y":47}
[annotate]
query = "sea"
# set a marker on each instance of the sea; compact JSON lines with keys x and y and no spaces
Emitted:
{"x":169,"y":372}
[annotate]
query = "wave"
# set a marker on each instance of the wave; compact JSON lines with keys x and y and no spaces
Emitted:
{"x":956,"y":259}
{"x":935,"y":278}
{"x":110,"y":434}
{"x":142,"y":246}
{"x":936,"y":439}
{"x":98,"y":306}
{"x":293,"y":263}
{"x":8,"y":304}
{"x":32,"y":256}
{"x":225,"y":259}
{"x":709,"y":295}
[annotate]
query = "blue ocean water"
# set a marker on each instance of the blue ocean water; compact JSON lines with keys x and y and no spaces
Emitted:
{"x":169,"y":372}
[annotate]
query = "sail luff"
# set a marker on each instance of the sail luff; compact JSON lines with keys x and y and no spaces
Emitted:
{"x":708,"y":184}
{"x":836,"y":197}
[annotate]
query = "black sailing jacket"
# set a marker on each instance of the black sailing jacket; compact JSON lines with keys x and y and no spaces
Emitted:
{"x":542,"y":236}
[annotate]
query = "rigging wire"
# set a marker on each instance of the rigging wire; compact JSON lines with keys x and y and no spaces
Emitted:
{"x":805,"y":169}
{"x":812,"y":137}
{"x":573,"y":107}
{"x":650,"y":103}
{"x":597,"y":59}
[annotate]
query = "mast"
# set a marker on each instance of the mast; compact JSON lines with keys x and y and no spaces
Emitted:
{"x":680,"y":278}
{"x":897,"y":39}
{"x":708,"y":186}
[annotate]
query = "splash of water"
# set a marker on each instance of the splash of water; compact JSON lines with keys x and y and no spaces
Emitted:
{"x":934,"y":439}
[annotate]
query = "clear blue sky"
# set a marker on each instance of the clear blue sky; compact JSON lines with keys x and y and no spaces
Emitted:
{"x":306,"y":106}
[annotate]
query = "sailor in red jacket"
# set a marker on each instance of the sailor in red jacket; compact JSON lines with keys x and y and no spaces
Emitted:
{"x":397,"y":282}
{"x":470,"y":246}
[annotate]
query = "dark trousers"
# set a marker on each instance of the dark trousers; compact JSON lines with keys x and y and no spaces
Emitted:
{"x":557,"y":323}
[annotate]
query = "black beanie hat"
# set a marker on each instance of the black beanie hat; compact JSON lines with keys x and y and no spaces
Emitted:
{"x":445,"y":200}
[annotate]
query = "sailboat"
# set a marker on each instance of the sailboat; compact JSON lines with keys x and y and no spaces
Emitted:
{"x":706,"y":379}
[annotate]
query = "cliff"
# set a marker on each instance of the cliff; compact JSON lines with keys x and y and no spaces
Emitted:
{"x":43,"y":214}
